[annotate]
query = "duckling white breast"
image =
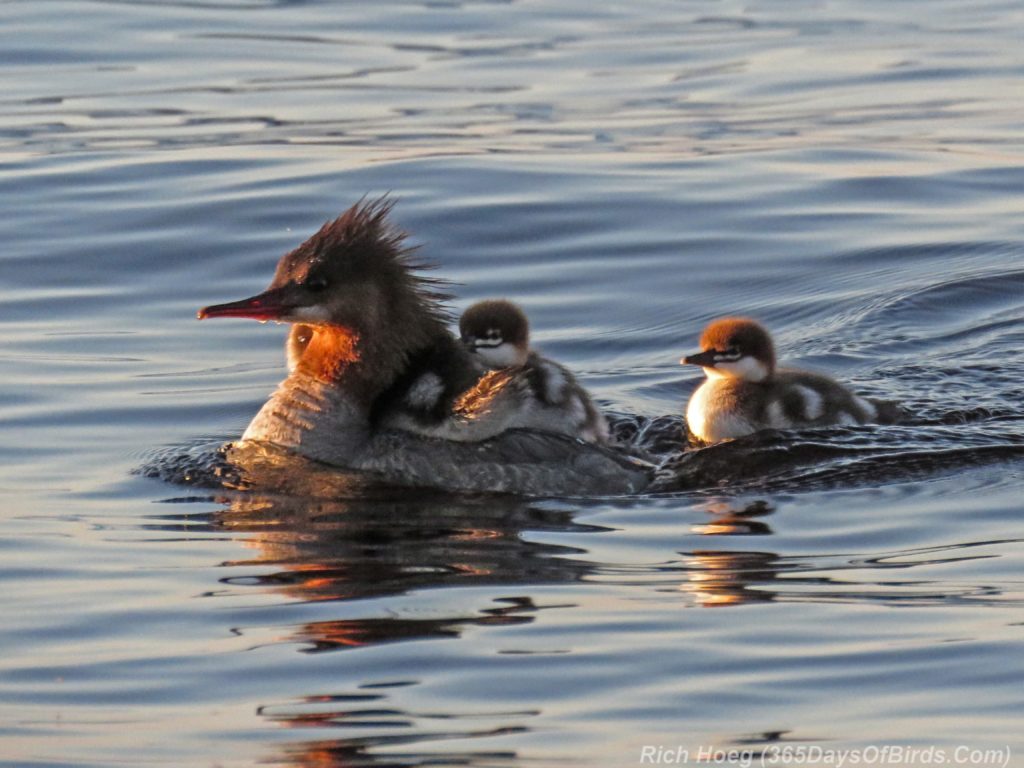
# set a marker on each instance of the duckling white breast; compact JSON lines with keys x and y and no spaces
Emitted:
{"x":714,"y":414}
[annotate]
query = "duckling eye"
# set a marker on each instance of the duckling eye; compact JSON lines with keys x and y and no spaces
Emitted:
{"x":316,"y":284}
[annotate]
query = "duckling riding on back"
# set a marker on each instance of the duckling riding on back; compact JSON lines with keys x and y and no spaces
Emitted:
{"x":549,"y":397}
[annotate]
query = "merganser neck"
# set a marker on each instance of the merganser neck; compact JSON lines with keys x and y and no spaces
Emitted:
{"x":326,"y":407}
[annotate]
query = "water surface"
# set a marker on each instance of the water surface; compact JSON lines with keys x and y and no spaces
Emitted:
{"x":849,"y":172}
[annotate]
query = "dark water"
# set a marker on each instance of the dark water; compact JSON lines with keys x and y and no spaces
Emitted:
{"x":850,"y":172}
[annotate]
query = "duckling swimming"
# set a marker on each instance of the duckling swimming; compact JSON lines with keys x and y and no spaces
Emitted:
{"x":371,"y":359}
{"x":745,"y":392}
{"x":498,"y":333}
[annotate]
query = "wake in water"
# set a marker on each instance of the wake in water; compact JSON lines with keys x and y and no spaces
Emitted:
{"x":769,"y":460}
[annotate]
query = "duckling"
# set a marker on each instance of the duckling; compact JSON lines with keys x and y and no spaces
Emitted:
{"x":498,"y":333}
{"x":745,"y":392}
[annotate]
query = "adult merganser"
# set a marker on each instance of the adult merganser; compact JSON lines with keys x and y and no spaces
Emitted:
{"x":379,"y":358}
{"x":745,"y":392}
{"x":498,"y":333}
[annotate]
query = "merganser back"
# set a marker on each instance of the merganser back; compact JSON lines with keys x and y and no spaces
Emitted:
{"x":372,"y":353}
{"x":498,"y":333}
{"x":745,"y":392}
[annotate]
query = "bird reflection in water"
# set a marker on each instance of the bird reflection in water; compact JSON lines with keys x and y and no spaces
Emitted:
{"x":392,"y":542}
{"x":355,"y":752}
{"x":732,"y":519}
{"x":718,"y":579}
{"x":385,"y":543}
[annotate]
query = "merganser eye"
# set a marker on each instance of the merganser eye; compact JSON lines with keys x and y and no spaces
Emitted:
{"x":316,"y":284}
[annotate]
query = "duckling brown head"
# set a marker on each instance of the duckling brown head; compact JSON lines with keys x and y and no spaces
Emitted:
{"x":497,"y":332}
{"x":735,"y":347}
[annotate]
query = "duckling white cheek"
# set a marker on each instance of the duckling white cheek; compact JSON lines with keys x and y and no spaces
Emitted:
{"x":501,"y":356}
{"x":746,"y":368}
{"x":714,"y":373}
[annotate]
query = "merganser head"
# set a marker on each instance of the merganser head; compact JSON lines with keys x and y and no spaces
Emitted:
{"x":735,"y":347}
{"x":497,"y":332}
{"x":355,"y":278}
